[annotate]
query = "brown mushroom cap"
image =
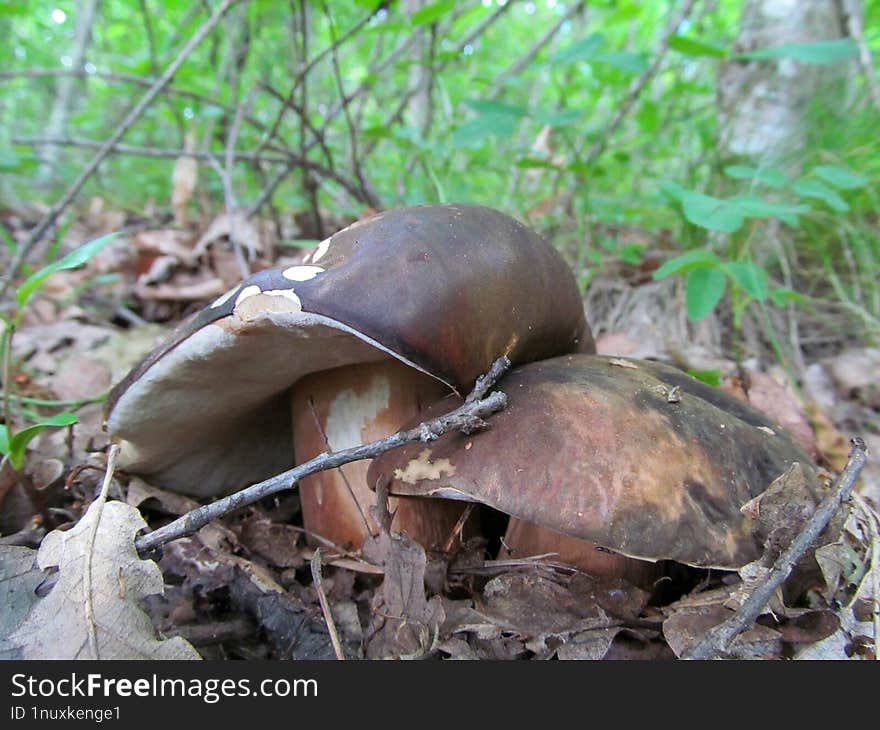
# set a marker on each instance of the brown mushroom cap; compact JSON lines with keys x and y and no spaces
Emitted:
{"x":446,"y":289}
{"x":605,"y":450}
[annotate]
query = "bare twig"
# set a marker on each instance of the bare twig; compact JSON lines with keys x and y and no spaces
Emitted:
{"x":288,"y":103}
{"x":639,"y":84}
{"x":229,"y":199}
{"x":159,"y":152}
{"x":523,"y":62}
{"x":402,"y":105}
{"x":349,"y":121}
{"x":290,"y":162}
{"x":718,"y":639}
{"x":466,"y":417}
{"x":216,"y":632}
{"x":117,"y":77}
{"x":62,"y":105}
{"x":459,"y":526}
{"x":318,"y":582}
{"x":67,"y":198}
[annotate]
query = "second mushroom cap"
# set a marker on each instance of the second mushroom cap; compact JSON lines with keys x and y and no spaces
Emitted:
{"x":634,"y":456}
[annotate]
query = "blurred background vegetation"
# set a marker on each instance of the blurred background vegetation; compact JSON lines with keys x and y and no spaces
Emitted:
{"x":717,"y":154}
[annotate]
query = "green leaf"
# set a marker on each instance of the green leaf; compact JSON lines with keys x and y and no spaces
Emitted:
{"x":75,"y":258}
{"x":486,"y":106}
{"x":819,"y":53}
{"x":561,"y":118}
{"x":754,"y":207}
{"x":584,"y":49}
{"x":298,"y":242}
{"x":709,"y":377}
{"x":782,"y":296}
{"x":715,"y":214}
{"x":693,"y":47}
{"x":484,"y":126}
{"x":698,"y":258}
{"x":703,"y":290}
{"x":18,"y":443}
{"x":623,"y":60}
{"x":532,"y":163}
{"x":818,"y":189}
{"x":431,"y":13}
{"x":768,"y":175}
{"x":4,"y":439}
{"x":750,"y":277}
{"x":841,"y":177}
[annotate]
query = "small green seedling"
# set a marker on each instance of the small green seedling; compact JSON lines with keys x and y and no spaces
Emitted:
{"x":13,"y":445}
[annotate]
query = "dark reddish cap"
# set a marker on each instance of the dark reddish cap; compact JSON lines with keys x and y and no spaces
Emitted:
{"x":635,"y":456}
{"x":446,"y":289}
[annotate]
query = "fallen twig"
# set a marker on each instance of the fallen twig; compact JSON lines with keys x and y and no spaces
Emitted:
{"x":318,"y":582}
{"x":719,"y":638}
{"x":467,"y":417}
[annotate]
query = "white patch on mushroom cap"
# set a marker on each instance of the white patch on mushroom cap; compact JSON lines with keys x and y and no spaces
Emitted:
{"x":267,"y":302}
{"x":246,"y":293}
{"x":302,"y":273}
{"x":321,"y":250}
{"x":223,"y":298}
{"x":423,"y":468}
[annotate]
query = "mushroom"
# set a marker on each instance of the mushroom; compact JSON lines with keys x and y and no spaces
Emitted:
{"x":386,"y":315}
{"x":632,"y":456}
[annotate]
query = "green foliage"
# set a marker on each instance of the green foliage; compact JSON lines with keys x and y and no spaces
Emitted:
{"x":13,"y":445}
{"x":502,"y":126}
{"x":819,"y":53}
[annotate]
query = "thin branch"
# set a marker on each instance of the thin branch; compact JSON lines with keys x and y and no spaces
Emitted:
{"x":151,"y":36}
{"x":318,"y":582}
{"x":467,"y":417}
{"x":300,"y":77}
{"x":402,"y":105}
{"x":160,"y":152}
{"x":289,"y":160}
{"x":639,"y":84}
{"x":124,"y":78}
{"x":352,"y":130}
{"x":719,"y":638}
{"x":522,"y":63}
{"x":67,"y":198}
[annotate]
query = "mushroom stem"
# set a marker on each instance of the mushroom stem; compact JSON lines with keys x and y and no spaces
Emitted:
{"x":345,"y":407}
{"x":525,"y":538}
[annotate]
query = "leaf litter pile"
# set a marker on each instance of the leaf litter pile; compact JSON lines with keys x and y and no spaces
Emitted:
{"x":253,"y":585}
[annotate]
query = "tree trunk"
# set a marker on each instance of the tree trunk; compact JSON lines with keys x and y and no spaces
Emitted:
{"x":763,"y":104}
{"x":86,"y":12}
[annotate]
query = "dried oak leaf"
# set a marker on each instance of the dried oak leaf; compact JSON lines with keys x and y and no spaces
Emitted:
{"x":92,"y":612}
{"x":687,"y":626}
{"x":19,"y":578}
{"x":547,"y":612}
{"x":407,"y":624}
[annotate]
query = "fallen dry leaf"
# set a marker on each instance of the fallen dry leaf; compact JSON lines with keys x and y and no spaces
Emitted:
{"x":92,"y":611}
{"x":773,"y":394}
{"x":685,"y":627}
{"x":406,"y":623}
{"x":183,"y":184}
{"x":19,"y":578}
